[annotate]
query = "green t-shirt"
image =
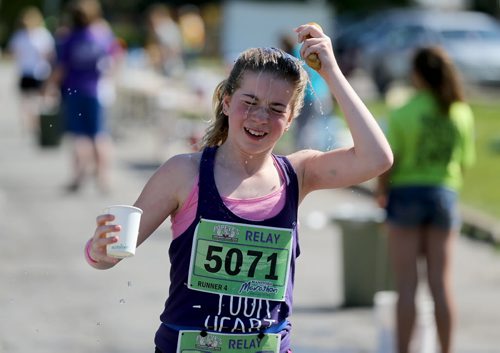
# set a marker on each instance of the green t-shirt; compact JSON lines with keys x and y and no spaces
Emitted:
{"x":429,"y":147}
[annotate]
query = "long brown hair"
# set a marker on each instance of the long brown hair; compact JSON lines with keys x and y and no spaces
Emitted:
{"x":436,"y":69}
{"x":269,"y":60}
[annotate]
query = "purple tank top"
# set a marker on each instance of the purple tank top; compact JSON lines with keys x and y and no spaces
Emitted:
{"x":188,"y":309}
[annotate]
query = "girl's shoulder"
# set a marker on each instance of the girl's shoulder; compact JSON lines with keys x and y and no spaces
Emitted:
{"x":175,"y":177}
{"x":416,"y":104}
{"x":461,"y":107}
{"x":299,"y":157}
{"x":300,"y":160}
{"x":182,"y":165}
{"x":462,"y":114}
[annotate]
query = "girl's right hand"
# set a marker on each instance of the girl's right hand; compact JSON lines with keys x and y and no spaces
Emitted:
{"x":97,"y":247}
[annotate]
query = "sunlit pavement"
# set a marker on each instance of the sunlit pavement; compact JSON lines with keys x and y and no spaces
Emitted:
{"x":52,"y":301}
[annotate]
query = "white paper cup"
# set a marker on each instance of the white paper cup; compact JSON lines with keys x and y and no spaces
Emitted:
{"x":129,"y":218}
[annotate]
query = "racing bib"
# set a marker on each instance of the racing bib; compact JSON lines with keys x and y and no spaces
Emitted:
{"x":196,"y":342}
{"x":240,"y":259}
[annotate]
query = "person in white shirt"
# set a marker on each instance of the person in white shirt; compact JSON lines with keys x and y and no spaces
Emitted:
{"x":33,"y":48}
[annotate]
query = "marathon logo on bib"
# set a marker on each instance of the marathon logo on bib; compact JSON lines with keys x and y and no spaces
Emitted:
{"x":240,"y":259}
{"x":257,"y":287}
{"x":226,"y":232}
{"x":209,"y":341}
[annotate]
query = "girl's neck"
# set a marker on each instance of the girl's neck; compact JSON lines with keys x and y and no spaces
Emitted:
{"x":232,"y":158}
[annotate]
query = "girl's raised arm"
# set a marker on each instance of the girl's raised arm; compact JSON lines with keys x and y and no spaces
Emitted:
{"x":371,"y":154}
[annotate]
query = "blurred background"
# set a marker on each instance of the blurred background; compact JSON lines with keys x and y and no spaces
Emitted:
{"x":172,"y":54}
{"x":373,"y":41}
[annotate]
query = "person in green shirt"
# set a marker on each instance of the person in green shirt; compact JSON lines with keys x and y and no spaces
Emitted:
{"x":432,"y":138}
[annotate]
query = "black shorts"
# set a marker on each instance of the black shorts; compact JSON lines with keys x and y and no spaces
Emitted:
{"x":413,"y":206}
{"x":30,"y":84}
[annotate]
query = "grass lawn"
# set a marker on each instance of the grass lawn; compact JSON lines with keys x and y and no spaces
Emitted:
{"x":481,"y":188}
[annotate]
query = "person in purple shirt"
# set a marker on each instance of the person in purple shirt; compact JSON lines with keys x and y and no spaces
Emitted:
{"x":233,"y":263}
{"x":85,"y":55}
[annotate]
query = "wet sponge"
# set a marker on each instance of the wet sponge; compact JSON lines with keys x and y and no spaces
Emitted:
{"x":312,"y":59}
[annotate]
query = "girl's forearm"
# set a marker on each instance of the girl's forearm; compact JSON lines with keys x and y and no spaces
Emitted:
{"x":369,"y":140}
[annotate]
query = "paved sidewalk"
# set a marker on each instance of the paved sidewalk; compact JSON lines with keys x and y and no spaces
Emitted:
{"x":51,"y":301}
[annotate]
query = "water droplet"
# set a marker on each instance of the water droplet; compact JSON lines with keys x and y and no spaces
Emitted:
{"x":129,"y":283}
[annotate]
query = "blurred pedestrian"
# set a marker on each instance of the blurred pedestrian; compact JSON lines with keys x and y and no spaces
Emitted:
{"x":192,"y":26}
{"x":234,"y":205}
{"x":164,"y":41}
{"x":432,"y":137}
{"x":33,"y":49}
{"x":85,"y":55}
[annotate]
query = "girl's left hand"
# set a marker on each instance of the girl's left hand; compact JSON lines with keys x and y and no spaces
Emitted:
{"x":315,"y":41}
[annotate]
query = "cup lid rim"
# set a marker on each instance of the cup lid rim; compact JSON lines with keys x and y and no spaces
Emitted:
{"x":125,"y":206}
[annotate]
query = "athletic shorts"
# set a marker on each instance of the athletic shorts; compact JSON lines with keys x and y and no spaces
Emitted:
{"x":83,"y":115}
{"x":30,"y":84}
{"x":413,"y":206}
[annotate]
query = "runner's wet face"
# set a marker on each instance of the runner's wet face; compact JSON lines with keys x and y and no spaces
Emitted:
{"x":260,"y":109}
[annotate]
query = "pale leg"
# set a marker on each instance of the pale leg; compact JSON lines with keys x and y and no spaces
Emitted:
{"x":404,"y":248}
{"x":438,"y":255}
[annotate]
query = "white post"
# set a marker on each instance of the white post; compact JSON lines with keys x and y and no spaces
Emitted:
{"x":424,"y":336}
{"x":385,"y":313}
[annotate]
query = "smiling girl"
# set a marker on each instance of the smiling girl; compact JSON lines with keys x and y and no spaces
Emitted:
{"x":228,"y":286}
